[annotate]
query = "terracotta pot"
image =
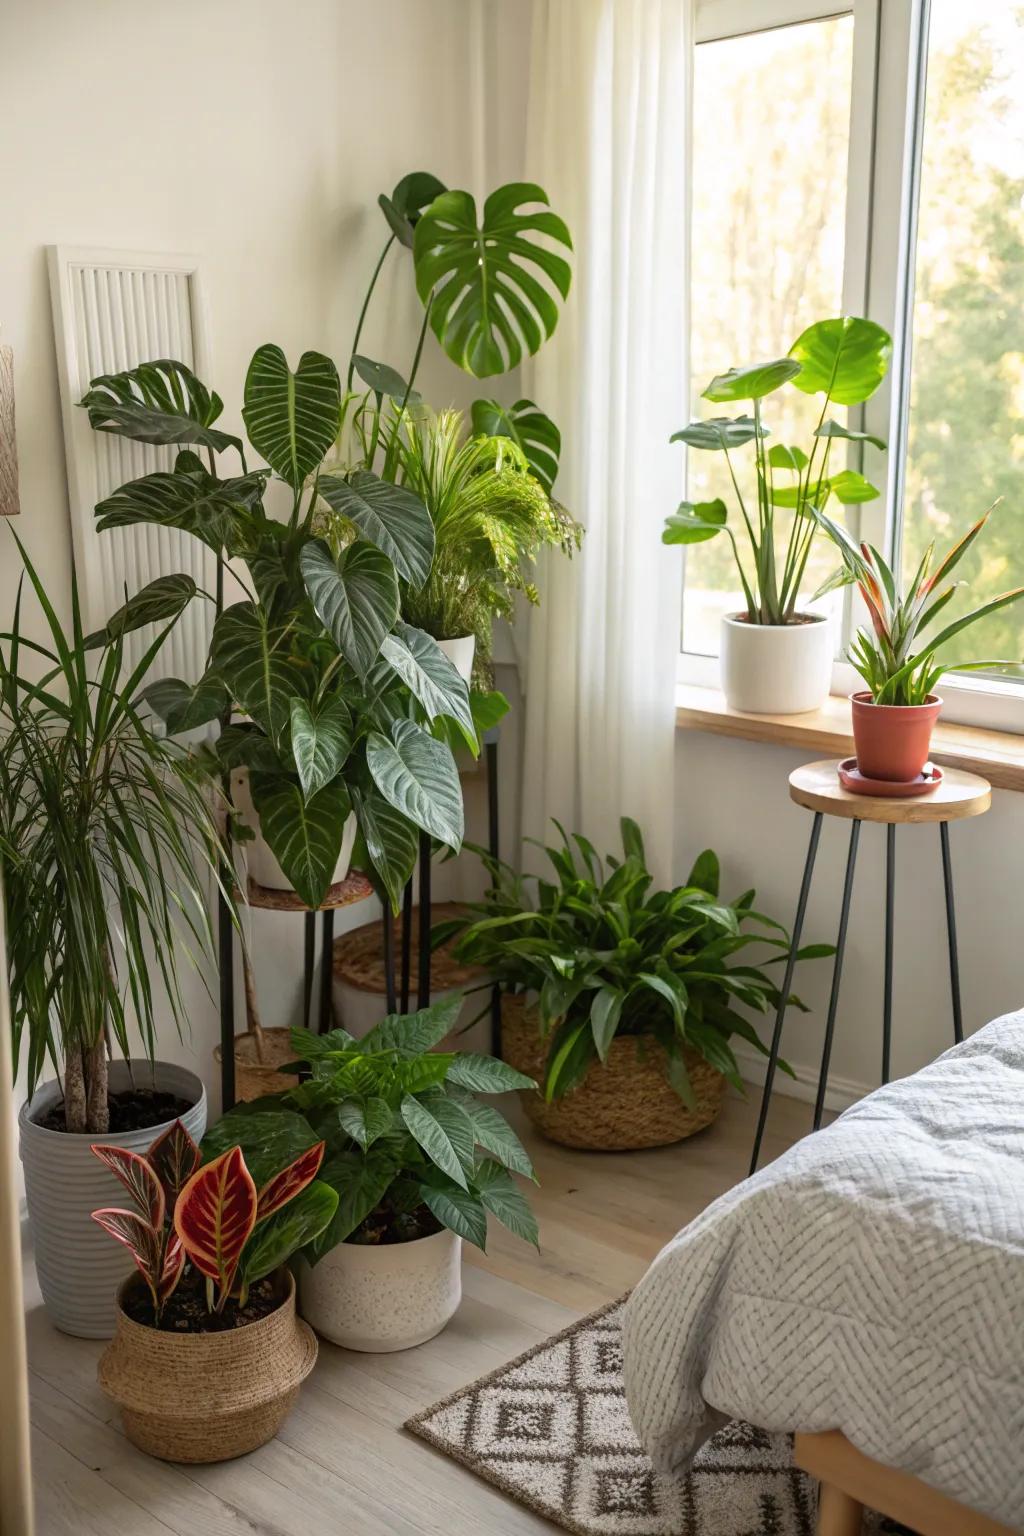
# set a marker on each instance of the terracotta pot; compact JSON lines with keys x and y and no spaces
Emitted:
{"x":207,"y":1396}
{"x":383,"y":1298}
{"x":892,"y":741}
{"x":621,"y":1105}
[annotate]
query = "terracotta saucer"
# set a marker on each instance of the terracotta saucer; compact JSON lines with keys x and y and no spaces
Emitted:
{"x":858,"y":783}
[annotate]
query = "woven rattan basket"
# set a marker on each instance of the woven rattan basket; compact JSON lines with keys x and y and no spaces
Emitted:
{"x":623,"y":1105}
{"x":208,"y":1396}
{"x":258,"y":1056}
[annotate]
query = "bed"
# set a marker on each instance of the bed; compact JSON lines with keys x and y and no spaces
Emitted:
{"x":870,"y":1282}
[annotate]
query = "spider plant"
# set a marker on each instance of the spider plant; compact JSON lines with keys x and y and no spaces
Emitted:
{"x":897,"y":661}
{"x":107,"y":840}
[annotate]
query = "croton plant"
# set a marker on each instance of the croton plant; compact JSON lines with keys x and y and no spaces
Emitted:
{"x":211,"y":1215}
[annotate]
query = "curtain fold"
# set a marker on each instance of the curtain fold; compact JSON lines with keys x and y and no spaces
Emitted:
{"x":608,"y":139}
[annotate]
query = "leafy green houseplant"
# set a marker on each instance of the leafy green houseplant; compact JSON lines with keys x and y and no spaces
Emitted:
{"x":418,"y":1163}
{"x":643,"y":985}
{"x":899,"y":655}
{"x":843,"y":361}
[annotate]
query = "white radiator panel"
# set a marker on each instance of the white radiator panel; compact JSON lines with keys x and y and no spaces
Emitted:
{"x":111,"y":311}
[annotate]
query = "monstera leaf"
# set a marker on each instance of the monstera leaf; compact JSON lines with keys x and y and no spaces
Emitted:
{"x":389,"y":516}
{"x":291,"y":418}
{"x":160,"y":402}
{"x":216,"y":511}
{"x":355,"y":597}
{"x":304,"y":835}
{"x":846,"y":359}
{"x":417,"y":776}
{"x":250,"y":658}
{"x":489,"y":285}
{"x":528,"y":427}
{"x":390,"y":838}
{"x":406,"y":203}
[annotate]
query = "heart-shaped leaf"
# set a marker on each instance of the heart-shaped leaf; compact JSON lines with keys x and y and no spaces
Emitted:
{"x":292,"y":418}
{"x":751,"y":383}
{"x":846,"y":359}
{"x":391,"y":517}
{"x":718,"y":433}
{"x":391,"y":841}
{"x":851,"y":488}
{"x":528,"y":427}
{"x":356,"y":597}
{"x":417,"y":775}
{"x":384,"y":380}
{"x":160,"y":402}
{"x":403,"y":208}
{"x":304,"y":835}
{"x":251,"y":660}
{"x":320,"y":742}
{"x":489,"y":286}
{"x":184,"y":708}
{"x":781,"y":457}
{"x":432,"y":678}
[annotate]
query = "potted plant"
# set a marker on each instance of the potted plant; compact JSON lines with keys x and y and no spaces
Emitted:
{"x":417,"y":1161}
{"x":894,"y":716}
{"x":775,"y":657}
{"x":108,"y":840}
{"x":209,"y":1355}
{"x":620,"y":1000}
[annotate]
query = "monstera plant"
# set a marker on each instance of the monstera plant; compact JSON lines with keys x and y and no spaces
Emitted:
{"x":325,"y":696}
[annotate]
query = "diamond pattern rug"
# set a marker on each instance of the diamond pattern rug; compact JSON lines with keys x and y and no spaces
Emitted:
{"x":551,"y":1429}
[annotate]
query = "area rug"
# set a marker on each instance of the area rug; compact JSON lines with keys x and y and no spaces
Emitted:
{"x":552,"y":1430}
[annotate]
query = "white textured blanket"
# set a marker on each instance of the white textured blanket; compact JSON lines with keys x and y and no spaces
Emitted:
{"x":871,"y":1280}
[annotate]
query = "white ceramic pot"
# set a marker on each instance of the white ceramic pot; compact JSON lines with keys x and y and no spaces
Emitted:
{"x":80,"y":1267}
{"x":260,"y":862}
{"x":777,"y":669}
{"x":383,"y":1298}
{"x":460,"y":653}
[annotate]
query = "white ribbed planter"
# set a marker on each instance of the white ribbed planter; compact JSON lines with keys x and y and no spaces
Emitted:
{"x":260,"y":862}
{"x":460,"y":653}
{"x":776,"y":669}
{"x":80,"y":1268}
{"x":380,"y":1299}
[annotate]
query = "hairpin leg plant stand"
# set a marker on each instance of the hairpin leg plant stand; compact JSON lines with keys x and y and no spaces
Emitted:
{"x":816,"y":786}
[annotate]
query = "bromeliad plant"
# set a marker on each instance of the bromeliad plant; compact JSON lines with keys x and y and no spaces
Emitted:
{"x":844,"y":360}
{"x":211,"y":1216}
{"x":409,"y":1146}
{"x":606,"y":956}
{"x":897,"y":661}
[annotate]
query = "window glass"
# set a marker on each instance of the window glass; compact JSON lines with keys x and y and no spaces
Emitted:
{"x":966,"y":422}
{"x":771,"y":137}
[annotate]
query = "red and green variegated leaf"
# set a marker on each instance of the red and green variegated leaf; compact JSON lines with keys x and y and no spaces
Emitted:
{"x":174,"y":1158}
{"x":953,"y":556}
{"x":170,"y":1274}
{"x":139,"y":1180}
{"x":287,"y":1184}
{"x":214,"y":1215}
{"x":142,"y":1241}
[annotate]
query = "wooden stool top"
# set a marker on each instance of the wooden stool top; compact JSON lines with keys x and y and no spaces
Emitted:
{"x":345,"y":893}
{"x":817,"y":786}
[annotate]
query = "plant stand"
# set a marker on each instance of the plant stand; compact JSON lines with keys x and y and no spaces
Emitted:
{"x":816,"y":786}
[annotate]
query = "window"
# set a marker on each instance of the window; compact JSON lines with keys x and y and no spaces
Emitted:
{"x":869,"y":158}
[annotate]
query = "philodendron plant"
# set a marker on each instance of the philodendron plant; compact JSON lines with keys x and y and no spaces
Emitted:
{"x":325,"y":695}
{"x":844,"y":361}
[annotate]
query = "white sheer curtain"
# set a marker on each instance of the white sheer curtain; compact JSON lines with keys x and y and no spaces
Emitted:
{"x":608,"y":140}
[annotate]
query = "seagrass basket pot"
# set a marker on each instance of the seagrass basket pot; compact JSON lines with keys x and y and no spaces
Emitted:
{"x":621,"y":1105}
{"x":207,"y":1396}
{"x":259,"y":1055}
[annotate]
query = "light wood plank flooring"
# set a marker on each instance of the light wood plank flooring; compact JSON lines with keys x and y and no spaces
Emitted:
{"x":342,"y":1465}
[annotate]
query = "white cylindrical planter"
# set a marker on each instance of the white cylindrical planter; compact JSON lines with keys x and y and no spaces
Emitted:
{"x":79,"y":1265}
{"x":460,"y":653}
{"x":383,"y":1297}
{"x":777,"y":669}
{"x":260,"y":862}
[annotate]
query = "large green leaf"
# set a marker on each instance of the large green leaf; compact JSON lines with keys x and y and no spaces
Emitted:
{"x":251,"y":660}
{"x":304,"y":835}
{"x":489,"y":286}
{"x":216,"y":511}
{"x":411,"y":1034}
{"x":605,"y":1011}
{"x":431,"y":677}
{"x":695,"y":522}
{"x":361,"y":1181}
{"x":384,"y":380}
{"x":391,"y":517}
{"x":356,"y":597}
{"x":418,"y":776}
{"x":425,"y":1127}
{"x":183,"y":707}
{"x":751,"y":383}
{"x":846,"y":358}
{"x":496,"y":1136}
{"x":486,"y":1074}
{"x":502,"y":1196}
{"x":320,"y":742}
{"x":411,"y":195}
{"x":162,"y":599}
{"x":366,"y":1121}
{"x":460,"y":1210}
{"x":275,"y":1240}
{"x":291,"y":418}
{"x":391,"y":841}
{"x":160,"y":402}
{"x":836,"y":429}
{"x":269,"y":1135}
{"x":851,"y":488}
{"x":528,"y":427}
{"x":718,"y":433}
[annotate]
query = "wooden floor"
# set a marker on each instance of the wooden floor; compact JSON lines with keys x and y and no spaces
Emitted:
{"x":342,"y":1466}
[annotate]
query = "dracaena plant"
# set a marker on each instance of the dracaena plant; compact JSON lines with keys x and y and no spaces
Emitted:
{"x":211,"y":1216}
{"x":898,"y":656}
{"x":326,"y":695}
{"x":607,"y":956}
{"x":409,"y":1145}
{"x":843,"y":361}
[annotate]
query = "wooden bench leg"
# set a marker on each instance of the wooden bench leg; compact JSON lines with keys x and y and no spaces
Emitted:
{"x":838,"y":1513}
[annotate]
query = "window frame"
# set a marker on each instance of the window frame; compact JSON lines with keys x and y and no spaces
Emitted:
{"x":890,"y":61}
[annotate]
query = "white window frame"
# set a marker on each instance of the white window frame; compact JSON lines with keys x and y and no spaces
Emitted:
{"x":890,"y":49}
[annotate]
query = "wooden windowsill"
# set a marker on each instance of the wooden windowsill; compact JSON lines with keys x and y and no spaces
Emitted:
{"x":997,"y":755}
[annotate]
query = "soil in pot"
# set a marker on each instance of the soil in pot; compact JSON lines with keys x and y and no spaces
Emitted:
{"x":187,"y":1310}
{"x":385,"y":1225}
{"x":134,"y":1109}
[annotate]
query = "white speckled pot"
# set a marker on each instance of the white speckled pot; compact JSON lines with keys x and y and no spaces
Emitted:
{"x":380,"y":1299}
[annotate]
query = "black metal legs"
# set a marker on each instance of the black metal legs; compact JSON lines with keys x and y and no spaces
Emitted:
{"x":388,"y":938}
{"x":773,"y":1055}
{"x":954,"y":958}
{"x":226,"y":957}
{"x":890,"y":922}
{"x":837,"y":972}
{"x":491,"y":749}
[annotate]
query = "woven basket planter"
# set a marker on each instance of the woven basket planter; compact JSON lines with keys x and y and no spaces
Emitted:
{"x":258,"y":1059}
{"x":620,"y":1106}
{"x":208,"y":1396}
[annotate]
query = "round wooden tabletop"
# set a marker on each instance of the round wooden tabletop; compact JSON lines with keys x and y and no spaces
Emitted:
{"x":817,"y":786}
{"x":355,"y":887}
